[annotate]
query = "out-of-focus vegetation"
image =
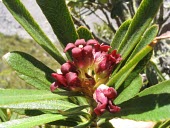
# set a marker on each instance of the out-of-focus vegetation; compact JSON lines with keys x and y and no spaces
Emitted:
{"x":8,"y":77}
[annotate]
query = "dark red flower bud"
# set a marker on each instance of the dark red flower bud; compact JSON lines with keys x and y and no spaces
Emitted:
{"x":87,"y":50}
{"x":61,"y":81}
{"x":68,"y":67}
{"x":92,"y":42}
{"x":77,"y":53}
{"x":110,"y":93}
{"x":72,"y":79}
{"x":80,"y":42}
{"x":53,"y":86}
{"x":69,"y":46}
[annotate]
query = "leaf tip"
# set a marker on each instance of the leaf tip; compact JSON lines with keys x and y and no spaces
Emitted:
{"x":6,"y":56}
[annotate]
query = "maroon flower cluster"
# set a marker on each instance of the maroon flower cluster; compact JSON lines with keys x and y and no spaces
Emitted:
{"x":91,"y":66}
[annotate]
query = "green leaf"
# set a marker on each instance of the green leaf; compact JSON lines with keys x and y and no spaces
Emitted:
{"x":76,"y":111}
{"x":131,"y":64}
{"x":130,"y":91}
{"x":106,"y":125}
{"x":21,"y":14}
{"x":120,"y":34}
{"x":151,"y":75}
{"x":140,"y":23}
{"x":126,"y":78}
{"x":55,"y":105}
{"x":84,"y":33}
{"x":67,"y":122}
{"x":152,"y":104}
{"x":33,"y":99}
{"x":159,"y":73}
{"x":161,"y":88}
{"x":60,"y":19}
{"x":147,"y":38}
{"x":3,"y":115}
{"x":12,"y":96}
{"x":31,"y":121}
{"x":83,"y":125}
{"x":31,"y":70}
{"x":163,"y":124}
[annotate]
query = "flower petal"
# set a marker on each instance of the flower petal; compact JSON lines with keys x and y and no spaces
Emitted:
{"x":99,"y":110}
{"x":68,"y":67}
{"x":72,"y":79}
{"x":110,"y":93}
{"x":77,"y":53}
{"x":53,"y":86}
{"x":115,"y":58}
{"x":61,"y":81}
{"x":104,"y":48}
{"x":99,"y":96}
{"x":104,"y":95}
{"x":69,"y":46}
{"x":80,"y":42}
{"x":92,"y":42}
{"x":113,"y":108}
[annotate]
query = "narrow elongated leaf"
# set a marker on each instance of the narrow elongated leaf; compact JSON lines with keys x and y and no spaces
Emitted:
{"x":83,"y":125}
{"x":84,"y":33}
{"x":147,"y":38}
{"x":12,"y":96}
{"x":31,"y":121}
{"x":60,"y":19}
{"x":130,"y":91}
{"x":164,"y":124}
{"x":151,"y":75}
{"x":120,"y":34}
{"x":21,"y":14}
{"x":161,"y":88}
{"x":68,"y":122}
{"x":3,"y":115}
{"x":126,"y":78}
{"x":140,"y":23}
{"x":31,"y":70}
{"x":76,"y":111}
{"x":152,"y":104}
{"x":55,"y":105}
{"x":132,"y":63}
